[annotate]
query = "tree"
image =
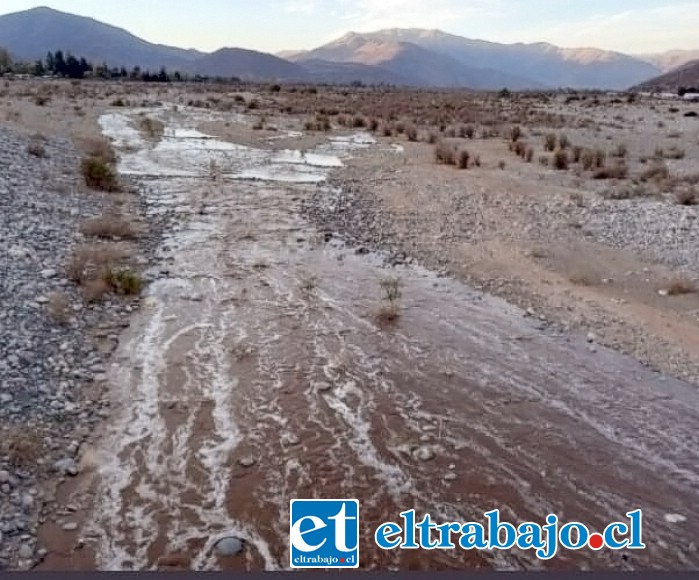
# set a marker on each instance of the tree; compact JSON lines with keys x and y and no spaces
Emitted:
{"x":39,"y":69}
{"x":59,"y":63}
{"x":5,"y":61}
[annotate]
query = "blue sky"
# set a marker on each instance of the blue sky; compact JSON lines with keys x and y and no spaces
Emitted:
{"x":633,"y":26}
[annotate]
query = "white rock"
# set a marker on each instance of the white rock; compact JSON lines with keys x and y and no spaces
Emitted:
{"x":247,"y":462}
{"x":424,"y":453}
{"x":675,"y":518}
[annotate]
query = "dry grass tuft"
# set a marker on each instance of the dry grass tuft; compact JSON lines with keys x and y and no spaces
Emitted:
{"x":21,"y":446}
{"x":445,"y":153}
{"x":109,"y":226}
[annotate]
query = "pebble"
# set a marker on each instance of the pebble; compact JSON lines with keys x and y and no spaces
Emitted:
{"x":247,"y":462}
{"x":69,"y":527}
{"x":424,"y":453}
{"x":230,"y":546}
{"x":675,"y":518}
{"x":26,"y":552}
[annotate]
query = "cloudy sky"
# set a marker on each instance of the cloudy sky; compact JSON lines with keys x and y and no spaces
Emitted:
{"x":633,"y":26}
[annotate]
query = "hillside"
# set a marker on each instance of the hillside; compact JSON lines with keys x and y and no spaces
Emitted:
{"x":32,"y":33}
{"x":537,"y":64}
{"x":247,"y":64}
{"x":686,"y":75}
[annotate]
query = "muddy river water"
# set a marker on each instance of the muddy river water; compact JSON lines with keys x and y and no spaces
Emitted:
{"x":258,"y":372}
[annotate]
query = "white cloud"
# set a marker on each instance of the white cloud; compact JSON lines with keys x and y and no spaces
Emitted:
{"x":376,"y":14}
{"x":302,"y":6}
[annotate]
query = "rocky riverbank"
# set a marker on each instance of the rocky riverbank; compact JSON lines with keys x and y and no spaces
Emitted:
{"x":662,"y":234}
{"x":54,"y":345}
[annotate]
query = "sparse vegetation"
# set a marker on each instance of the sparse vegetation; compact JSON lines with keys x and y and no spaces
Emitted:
{"x":152,"y":128}
{"x":99,"y":174}
{"x":108,"y":226}
{"x":560,"y":160}
{"x":445,"y":153}
{"x":463,"y":159}
{"x":123,"y":281}
{"x":391,"y":294}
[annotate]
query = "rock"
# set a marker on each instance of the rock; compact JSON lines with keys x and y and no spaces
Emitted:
{"x":27,"y":502}
{"x":230,"y":546}
{"x":450,"y":477}
{"x":675,"y":518}
{"x":6,"y":398}
{"x":4,"y":476}
{"x":591,"y":337}
{"x":49,"y":273}
{"x":26,"y":552}
{"x":66,"y":466}
{"x":323,"y":387}
{"x":247,"y":462}
{"x":69,"y":527}
{"x":424,"y":453}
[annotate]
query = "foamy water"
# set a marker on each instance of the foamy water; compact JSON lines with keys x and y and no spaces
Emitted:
{"x":237,"y":388}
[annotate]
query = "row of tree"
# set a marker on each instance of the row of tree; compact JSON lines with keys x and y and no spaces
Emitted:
{"x":65,"y":65}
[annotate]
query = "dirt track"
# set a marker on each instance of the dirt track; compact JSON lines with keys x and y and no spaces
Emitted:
{"x":258,"y":372}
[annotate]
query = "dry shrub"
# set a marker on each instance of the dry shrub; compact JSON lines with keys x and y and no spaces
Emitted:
{"x":563,"y":141}
{"x":621,"y":151}
{"x":687,"y":197}
{"x":515,"y":133}
{"x":445,"y":154}
{"x":152,"y":128}
{"x":123,"y":281}
{"x":656,"y":172}
{"x":583,"y":279}
{"x":550,"y":142}
{"x":588,"y":159}
{"x":577,"y":153}
{"x":99,"y":174}
{"x":560,"y":160}
{"x":22,"y":447}
{"x":108,"y":226}
{"x":35,"y":147}
{"x":95,"y":290}
{"x":463,"y":159}
{"x":87,"y":262}
{"x":388,"y":312}
{"x":98,"y":147}
{"x":358,"y":122}
{"x":600,"y":158}
{"x":617,"y":171}
{"x":411,"y":133}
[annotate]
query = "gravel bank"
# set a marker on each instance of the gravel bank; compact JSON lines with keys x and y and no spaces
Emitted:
{"x":53,"y":346}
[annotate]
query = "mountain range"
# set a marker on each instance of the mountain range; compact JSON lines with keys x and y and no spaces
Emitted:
{"x":410,"y":57}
